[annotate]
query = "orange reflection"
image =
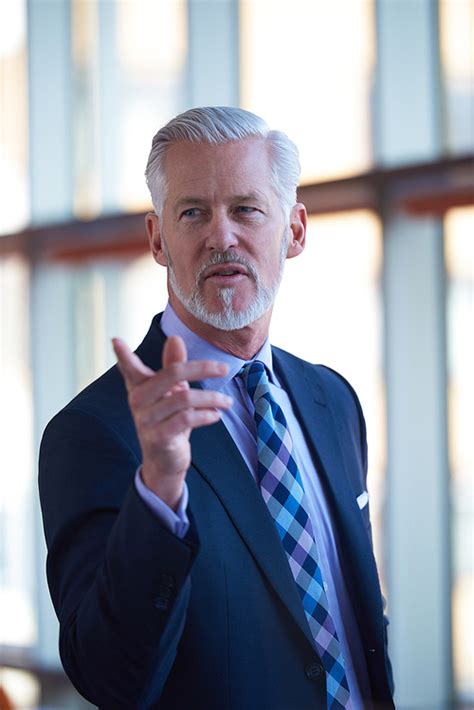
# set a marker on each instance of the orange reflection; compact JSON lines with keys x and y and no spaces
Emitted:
{"x":21,"y":687}
{"x":17,"y":621}
{"x":459,"y":255}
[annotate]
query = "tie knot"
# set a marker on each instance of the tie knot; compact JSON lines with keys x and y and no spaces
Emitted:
{"x":255,"y":378}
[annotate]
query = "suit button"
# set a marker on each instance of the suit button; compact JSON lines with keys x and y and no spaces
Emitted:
{"x":313,"y":670}
{"x":165,"y":592}
{"x":161,"y":603}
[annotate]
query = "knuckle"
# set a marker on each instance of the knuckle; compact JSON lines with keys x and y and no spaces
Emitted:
{"x":185,"y":418}
{"x":186,"y":397}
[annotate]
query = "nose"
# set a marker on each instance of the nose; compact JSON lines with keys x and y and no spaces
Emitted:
{"x":222,"y":233}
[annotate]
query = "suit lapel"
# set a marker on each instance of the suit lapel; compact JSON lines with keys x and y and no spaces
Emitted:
{"x":320,"y":427}
{"x":309,"y":402}
{"x":233,"y":484}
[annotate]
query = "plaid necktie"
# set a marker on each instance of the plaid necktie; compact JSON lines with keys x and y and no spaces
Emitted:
{"x":283,"y":492}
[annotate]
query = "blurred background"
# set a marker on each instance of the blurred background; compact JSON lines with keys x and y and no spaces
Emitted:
{"x":378,"y":95}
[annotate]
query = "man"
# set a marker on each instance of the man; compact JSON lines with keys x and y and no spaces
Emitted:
{"x":204,"y":503}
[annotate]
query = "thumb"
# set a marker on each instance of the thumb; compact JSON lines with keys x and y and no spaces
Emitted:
{"x":134,"y":371}
{"x":174,"y":351}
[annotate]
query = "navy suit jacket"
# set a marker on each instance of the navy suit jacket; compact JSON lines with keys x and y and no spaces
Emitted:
{"x":214,"y":620}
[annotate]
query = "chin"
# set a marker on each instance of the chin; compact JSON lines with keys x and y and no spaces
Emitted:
{"x":226,"y":310}
{"x":231,"y":318}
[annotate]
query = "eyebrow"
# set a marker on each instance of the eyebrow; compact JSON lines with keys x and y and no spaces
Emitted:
{"x":187,"y":200}
{"x":250,"y":197}
{"x":199,"y":201}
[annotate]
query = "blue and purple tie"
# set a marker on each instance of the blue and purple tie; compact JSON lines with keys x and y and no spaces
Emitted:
{"x":283,"y":492}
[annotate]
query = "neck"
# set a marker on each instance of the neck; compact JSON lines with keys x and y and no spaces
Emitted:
{"x":243,"y":343}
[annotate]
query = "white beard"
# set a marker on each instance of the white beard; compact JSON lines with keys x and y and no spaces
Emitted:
{"x":229,"y":318}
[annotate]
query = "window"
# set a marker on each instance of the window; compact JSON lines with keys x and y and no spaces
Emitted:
{"x":307,"y":68}
{"x":18,"y":626}
{"x":328,"y":311}
{"x":459,"y":251}
{"x":13,"y":117}
{"x":457,"y":66}
{"x":129,"y":79}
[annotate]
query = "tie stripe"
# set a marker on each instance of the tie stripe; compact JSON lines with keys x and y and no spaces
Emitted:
{"x":283,"y":492}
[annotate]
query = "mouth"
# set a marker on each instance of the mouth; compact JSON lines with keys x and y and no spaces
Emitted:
{"x":225,"y":273}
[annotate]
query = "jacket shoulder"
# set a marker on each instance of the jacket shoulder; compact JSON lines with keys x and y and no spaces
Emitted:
{"x":332,"y":382}
{"x":100,"y":407}
{"x":333,"y":390}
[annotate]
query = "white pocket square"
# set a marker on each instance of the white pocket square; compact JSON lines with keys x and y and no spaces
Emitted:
{"x":363,"y":499}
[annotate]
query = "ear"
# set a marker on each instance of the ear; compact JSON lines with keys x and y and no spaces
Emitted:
{"x":153,"y":229}
{"x":298,"y":223}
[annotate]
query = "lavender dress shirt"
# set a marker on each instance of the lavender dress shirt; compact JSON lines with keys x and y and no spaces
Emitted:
{"x":240,"y":423}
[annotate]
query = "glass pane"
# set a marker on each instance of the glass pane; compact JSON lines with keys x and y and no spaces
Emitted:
{"x":17,"y":620}
{"x":457,"y":62}
{"x":459,"y":249}
{"x":144,"y":293}
{"x":112,"y":298}
{"x":129,"y":78}
{"x":329,"y":311}
{"x":13,"y":124}
{"x":86,"y":108}
{"x":151,"y":45}
{"x":307,"y":68}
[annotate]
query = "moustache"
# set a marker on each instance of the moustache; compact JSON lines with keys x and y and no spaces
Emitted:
{"x":227,"y":257}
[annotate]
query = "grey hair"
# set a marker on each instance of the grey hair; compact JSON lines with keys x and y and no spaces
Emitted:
{"x":219,"y":125}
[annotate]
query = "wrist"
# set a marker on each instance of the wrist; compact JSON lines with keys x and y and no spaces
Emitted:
{"x":168,"y":488}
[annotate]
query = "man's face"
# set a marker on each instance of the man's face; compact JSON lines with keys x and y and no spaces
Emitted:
{"x":222,"y":233}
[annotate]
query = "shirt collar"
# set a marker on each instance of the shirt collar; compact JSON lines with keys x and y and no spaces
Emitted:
{"x":200,"y":349}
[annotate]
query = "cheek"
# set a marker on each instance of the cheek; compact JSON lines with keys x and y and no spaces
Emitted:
{"x":182,"y":261}
{"x":270,"y":266}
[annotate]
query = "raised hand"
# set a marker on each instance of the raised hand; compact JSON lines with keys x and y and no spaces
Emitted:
{"x":165,"y":410}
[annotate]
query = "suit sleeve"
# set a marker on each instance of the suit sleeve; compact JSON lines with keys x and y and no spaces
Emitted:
{"x":119,"y":580}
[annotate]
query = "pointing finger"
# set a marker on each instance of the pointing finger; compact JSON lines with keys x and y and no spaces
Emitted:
{"x":134,"y":371}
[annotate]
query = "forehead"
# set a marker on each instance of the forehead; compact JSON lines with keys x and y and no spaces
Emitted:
{"x":239,"y":167}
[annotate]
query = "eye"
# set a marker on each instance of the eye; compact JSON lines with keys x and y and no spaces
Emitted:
{"x":191,"y":212}
{"x":246,"y":209}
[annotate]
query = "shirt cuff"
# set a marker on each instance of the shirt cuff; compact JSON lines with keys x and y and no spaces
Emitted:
{"x":176,"y":522}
